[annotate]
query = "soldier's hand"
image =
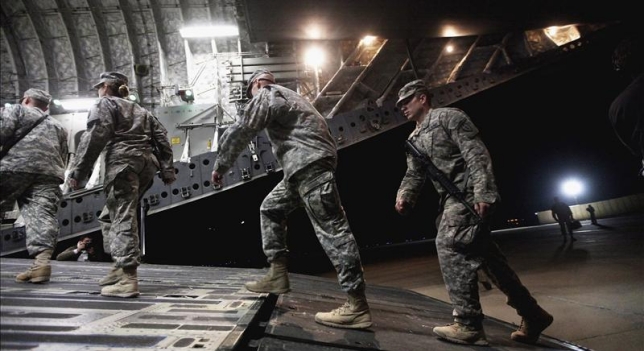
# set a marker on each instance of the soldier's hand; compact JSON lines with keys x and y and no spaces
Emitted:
{"x":482,"y":208}
{"x":73,"y":184}
{"x":402,"y":207}
{"x":217,"y":178}
{"x":168,"y":176}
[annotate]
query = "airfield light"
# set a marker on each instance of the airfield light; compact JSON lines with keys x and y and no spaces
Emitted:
{"x":572,"y":187}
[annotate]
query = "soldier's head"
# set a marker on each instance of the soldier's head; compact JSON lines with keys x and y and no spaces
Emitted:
{"x":112,"y":84}
{"x":36,"y":98}
{"x":413,"y":100}
{"x":259,"y":79}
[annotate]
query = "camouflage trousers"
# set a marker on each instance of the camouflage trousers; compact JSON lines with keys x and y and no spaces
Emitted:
{"x":463,"y":248}
{"x":119,"y":220}
{"x":315,"y":189}
{"x":38,"y":198}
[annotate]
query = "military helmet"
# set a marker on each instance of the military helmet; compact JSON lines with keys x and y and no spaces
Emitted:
{"x":260,"y":74}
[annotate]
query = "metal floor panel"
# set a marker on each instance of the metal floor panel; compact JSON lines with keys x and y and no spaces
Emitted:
{"x":187,"y":307}
{"x":179,"y":308}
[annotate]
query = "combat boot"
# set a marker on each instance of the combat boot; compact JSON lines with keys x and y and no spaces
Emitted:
{"x":128,"y":286}
{"x":532,"y":326}
{"x":462,"y":334}
{"x":354,"y":314}
{"x":40,"y":270}
{"x":112,"y":277}
{"x":276,"y":280}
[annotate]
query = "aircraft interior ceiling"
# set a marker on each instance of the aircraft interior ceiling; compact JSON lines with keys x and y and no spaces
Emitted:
{"x":63,"y":45}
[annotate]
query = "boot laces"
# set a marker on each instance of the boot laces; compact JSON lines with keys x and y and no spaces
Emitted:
{"x":346,"y":307}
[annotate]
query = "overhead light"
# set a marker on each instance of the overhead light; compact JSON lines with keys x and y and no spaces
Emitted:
{"x":209,"y":31}
{"x":314,"y":56}
{"x":368,"y":40}
{"x":314,"y":31}
{"x":76,"y":104}
{"x":448,"y":31}
{"x":186,"y":95}
{"x":562,"y":35}
{"x":134,"y":97}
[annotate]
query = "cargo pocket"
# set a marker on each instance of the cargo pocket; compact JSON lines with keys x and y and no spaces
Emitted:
{"x":471,"y":237}
{"x":321,"y":197}
{"x":468,"y":231}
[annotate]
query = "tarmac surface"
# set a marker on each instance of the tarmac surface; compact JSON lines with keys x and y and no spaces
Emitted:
{"x":594,"y":287}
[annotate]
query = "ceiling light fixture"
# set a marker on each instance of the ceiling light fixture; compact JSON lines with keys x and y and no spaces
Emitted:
{"x":76,"y":104}
{"x":209,"y":31}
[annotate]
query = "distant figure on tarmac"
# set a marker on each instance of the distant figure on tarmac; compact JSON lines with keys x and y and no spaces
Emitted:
{"x":591,"y":210}
{"x":563,"y":215}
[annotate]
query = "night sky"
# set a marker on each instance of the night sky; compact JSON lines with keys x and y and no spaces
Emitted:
{"x":540,"y":128}
{"x":553,"y":124}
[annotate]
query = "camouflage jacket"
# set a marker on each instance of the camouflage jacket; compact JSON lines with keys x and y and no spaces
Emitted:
{"x":126,"y":131}
{"x":449,"y":138}
{"x":298,"y":133}
{"x":43,"y":150}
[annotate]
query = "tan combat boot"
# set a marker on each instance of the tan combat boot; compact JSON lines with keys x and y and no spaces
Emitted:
{"x":276,"y":280}
{"x":128,"y":286}
{"x":462,"y":334}
{"x":354,"y":314}
{"x":112,"y":277}
{"x":532,"y":326}
{"x":40,"y":270}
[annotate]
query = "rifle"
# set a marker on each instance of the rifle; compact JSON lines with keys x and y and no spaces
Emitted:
{"x":437,"y":175}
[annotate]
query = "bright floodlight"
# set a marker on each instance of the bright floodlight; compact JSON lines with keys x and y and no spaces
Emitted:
{"x":314,"y":57}
{"x":314,"y":31}
{"x":562,"y":35}
{"x":572,"y":187}
{"x":368,"y":40}
{"x":209,"y":31}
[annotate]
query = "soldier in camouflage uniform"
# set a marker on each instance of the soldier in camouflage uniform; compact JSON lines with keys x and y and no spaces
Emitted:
{"x":128,"y":133}
{"x":307,"y":153}
{"x":464,"y":244}
{"x":31,"y":173}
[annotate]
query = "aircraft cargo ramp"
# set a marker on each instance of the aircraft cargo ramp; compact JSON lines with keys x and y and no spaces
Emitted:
{"x":208,"y":308}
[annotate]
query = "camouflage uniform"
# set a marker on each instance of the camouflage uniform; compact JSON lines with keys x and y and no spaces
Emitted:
{"x":125,"y":130}
{"x":450,"y":139}
{"x":306,"y":151}
{"x":32,"y":171}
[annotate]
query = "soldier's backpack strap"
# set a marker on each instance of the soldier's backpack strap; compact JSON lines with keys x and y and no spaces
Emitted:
{"x":12,"y":142}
